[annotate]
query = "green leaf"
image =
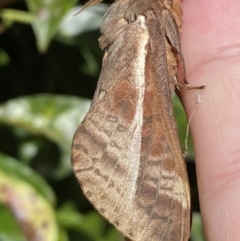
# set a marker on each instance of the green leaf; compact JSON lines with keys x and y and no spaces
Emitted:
{"x":53,"y":116}
{"x":91,"y":224}
{"x":68,"y":216}
{"x":99,"y":229}
{"x":11,"y":15}
{"x":16,"y":170}
{"x":22,"y":192}
{"x":87,"y":20}
{"x":9,"y":228}
{"x":111,"y":235}
{"x":197,"y":229}
{"x":47,"y":17}
{"x":4,"y":58}
{"x":78,"y":30}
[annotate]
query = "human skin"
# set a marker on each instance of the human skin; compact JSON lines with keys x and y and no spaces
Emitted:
{"x":211,"y":49}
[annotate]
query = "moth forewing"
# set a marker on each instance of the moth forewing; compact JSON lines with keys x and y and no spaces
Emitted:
{"x":126,"y":154}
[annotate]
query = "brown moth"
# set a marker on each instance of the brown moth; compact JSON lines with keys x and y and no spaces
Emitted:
{"x":126,"y":153}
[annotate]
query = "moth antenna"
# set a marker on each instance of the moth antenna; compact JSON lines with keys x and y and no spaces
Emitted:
{"x":88,"y":4}
{"x":199,"y":99}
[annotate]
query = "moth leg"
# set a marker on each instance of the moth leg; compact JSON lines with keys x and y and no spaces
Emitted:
{"x":178,"y":86}
{"x":187,"y":86}
{"x":175,"y":10}
{"x":173,"y":38}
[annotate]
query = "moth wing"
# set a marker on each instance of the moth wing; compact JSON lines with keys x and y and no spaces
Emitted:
{"x":122,"y":154}
{"x":107,"y":144}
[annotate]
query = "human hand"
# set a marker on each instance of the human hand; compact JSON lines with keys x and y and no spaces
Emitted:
{"x":211,"y":49}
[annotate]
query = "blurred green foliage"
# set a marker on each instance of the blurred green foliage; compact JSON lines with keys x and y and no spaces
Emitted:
{"x":49,"y":64}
